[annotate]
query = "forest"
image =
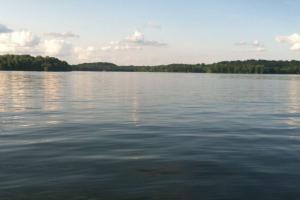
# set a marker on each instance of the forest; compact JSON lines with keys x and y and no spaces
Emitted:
{"x":233,"y":67}
{"x":39,"y":63}
{"x":30,"y":63}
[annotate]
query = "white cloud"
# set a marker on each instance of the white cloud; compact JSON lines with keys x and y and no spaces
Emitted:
{"x":23,"y":38}
{"x":241,"y":43}
{"x":57,"y":47}
{"x":138,"y":38}
{"x":260,"y":49}
{"x":136,"y":41}
{"x":61,"y":46}
{"x":62,"y":35}
{"x":120,"y":46}
{"x":254,"y":45}
{"x":296,"y":47}
{"x":18,"y":42}
{"x":26,"y":42}
{"x":85,"y":54}
{"x":293,"y":40}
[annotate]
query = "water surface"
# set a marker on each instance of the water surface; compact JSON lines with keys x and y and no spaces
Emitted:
{"x":101,"y":135}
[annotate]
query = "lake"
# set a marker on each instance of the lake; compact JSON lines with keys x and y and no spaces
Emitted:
{"x":109,"y":135}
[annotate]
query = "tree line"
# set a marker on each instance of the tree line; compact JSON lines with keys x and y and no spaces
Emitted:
{"x":39,"y":63}
{"x":233,"y":67}
{"x":30,"y":63}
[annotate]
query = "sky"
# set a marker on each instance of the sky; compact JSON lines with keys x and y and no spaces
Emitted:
{"x":144,"y":32}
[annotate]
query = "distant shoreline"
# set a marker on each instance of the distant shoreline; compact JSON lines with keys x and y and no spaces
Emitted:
{"x":30,"y":63}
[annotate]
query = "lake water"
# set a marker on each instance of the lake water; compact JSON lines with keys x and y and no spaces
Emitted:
{"x":140,"y":136}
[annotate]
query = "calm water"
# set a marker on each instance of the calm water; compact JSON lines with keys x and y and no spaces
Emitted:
{"x":149,"y":136}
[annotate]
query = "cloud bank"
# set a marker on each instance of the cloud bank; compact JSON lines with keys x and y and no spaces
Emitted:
{"x":63,"y":45}
{"x":26,"y":42}
{"x":18,"y":42}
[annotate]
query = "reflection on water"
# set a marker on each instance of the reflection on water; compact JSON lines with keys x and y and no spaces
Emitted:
{"x":20,"y":91}
{"x":13,"y":95}
{"x":294,"y":102}
{"x":294,"y":96}
{"x":85,"y":135}
{"x":53,"y":92}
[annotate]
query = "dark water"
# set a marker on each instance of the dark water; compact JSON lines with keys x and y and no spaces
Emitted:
{"x":149,"y":136}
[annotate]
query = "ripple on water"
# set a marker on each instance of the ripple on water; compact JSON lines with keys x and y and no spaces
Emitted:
{"x":149,"y":136}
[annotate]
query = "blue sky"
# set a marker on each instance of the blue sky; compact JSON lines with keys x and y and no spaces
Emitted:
{"x":151,"y":32}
